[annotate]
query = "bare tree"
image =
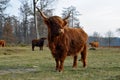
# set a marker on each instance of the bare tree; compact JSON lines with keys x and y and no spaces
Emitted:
{"x":8,"y":31}
{"x":16,"y":28}
{"x":3,"y":6}
{"x":32,"y":30}
{"x":35,"y":18}
{"x":96,"y":35}
{"x":73,"y":20}
{"x":109,"y":35}
{"x":25,"y":13}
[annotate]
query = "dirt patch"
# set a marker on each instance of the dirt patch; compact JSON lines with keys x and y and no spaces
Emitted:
{"x":3,"y":72}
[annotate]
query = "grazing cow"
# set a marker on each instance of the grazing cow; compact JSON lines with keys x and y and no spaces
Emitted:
{"x":64,"y":41}
{"x":38,"y":42}
{"x":2,"y":43}
{"x":94,"y":44}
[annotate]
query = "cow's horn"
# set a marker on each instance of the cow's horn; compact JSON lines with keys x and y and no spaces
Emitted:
{"x":67,"y":16}
{"x":41,"y":13}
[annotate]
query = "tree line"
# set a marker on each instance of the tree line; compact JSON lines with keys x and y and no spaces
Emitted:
{"x":22,"y":29}
{"x":16,"y":30}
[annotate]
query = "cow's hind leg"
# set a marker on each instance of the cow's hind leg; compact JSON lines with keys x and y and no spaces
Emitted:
{"x":84,"y":55}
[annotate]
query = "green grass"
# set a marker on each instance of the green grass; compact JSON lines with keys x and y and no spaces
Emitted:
{"x":21,"y":63}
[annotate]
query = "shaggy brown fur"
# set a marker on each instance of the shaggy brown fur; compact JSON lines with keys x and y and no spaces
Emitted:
{"x":2,"y":43}
{"x":94,"y":44}
{"x":64,"y":41}
{"x":38,"y":42}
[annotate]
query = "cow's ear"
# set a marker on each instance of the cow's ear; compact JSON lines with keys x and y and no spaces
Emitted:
{"x":65,"y":23}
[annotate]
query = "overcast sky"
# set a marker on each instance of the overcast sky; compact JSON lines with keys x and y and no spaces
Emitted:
{"x":97,"y":15}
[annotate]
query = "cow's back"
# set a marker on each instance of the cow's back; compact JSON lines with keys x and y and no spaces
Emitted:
{"x":76,"y":39}
{"x":35,"y":42}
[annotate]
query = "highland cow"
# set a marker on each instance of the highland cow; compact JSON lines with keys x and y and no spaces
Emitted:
{"x":64,"y":41}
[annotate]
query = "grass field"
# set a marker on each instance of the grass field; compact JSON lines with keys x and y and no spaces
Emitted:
{"x":21,"y":63}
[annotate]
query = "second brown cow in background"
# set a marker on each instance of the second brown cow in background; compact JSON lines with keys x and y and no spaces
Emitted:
{"x":2,"y":43}
{"x":94,"y":44}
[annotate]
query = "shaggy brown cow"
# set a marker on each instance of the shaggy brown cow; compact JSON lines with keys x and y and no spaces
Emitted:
{"x":2,"y":43}
{"x":94,"y":44}
{"x":64,"y":41}
{"x":38,"y":42}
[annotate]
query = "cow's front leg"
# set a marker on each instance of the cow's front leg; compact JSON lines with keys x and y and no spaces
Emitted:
{"x":75,"y":62}
{"x":32,"y":47}
{"x":41,"y":48}
{"x":61,"y":68}
{"x":57,"y":64}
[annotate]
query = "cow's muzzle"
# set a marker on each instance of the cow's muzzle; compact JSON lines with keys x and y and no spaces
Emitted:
{"x":61,"y":31}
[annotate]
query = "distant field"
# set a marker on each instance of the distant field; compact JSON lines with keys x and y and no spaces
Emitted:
{"x":21,"y":63}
